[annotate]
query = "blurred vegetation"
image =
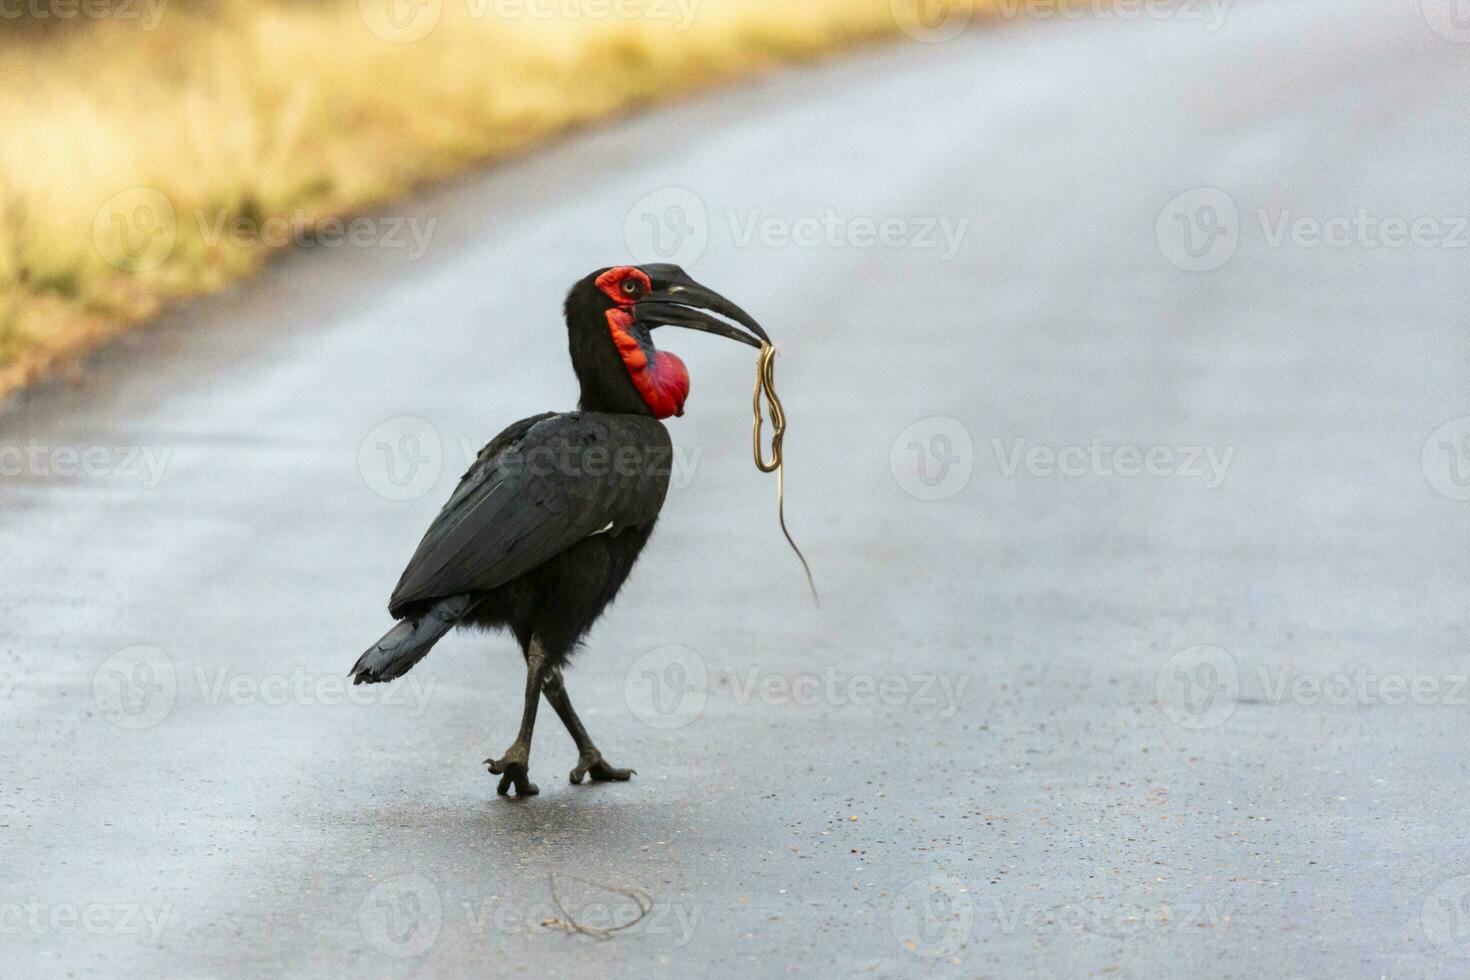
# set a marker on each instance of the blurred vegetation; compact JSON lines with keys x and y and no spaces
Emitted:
{"x":131,"y":130}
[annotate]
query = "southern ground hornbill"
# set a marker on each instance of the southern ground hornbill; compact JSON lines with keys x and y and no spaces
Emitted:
{"x":546,"y":525}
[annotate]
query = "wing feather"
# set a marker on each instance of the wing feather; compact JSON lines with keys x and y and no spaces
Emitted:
{"x":533,"y":492}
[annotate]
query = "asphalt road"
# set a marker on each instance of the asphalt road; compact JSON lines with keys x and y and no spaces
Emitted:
{"x":1139,"y":519}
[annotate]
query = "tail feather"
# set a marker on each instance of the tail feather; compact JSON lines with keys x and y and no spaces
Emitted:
{"x":408,"y":642}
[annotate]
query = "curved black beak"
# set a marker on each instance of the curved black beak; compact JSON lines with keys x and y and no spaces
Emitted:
{"x":679,"y":301}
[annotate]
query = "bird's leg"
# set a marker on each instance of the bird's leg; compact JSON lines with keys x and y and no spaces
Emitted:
{"x":589,"y":760}
{"x":513,"y":767}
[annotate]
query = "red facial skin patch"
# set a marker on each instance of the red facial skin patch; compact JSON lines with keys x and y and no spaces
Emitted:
{"x":611,"y":283}
{"x":664,"y":384}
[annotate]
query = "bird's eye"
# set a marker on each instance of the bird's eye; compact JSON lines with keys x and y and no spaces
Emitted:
{"x":630,"y":287}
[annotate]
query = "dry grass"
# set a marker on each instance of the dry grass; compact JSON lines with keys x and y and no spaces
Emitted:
{"x":120,"y":144}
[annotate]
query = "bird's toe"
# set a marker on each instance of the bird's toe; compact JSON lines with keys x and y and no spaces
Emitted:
{"x":591,"y":763}
{"x":513,"y":772}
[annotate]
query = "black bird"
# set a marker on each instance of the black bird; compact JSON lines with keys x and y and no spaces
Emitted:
{"x":546,"y":525}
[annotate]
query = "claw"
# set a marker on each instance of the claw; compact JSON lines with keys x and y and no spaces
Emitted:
{"x":590,"y":762}
{"x":512,"y":771}
{"x":523,"y":786}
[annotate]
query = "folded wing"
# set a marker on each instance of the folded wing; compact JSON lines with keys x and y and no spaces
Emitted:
{"x":538,"y":488}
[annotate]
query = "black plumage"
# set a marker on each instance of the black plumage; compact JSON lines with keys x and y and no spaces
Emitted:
{"x":545,"y":526}
{"x":543,"y":529}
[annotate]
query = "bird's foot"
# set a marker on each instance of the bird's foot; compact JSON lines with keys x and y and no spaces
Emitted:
{"x":590,"y":763}
{"x":513,"y":770}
